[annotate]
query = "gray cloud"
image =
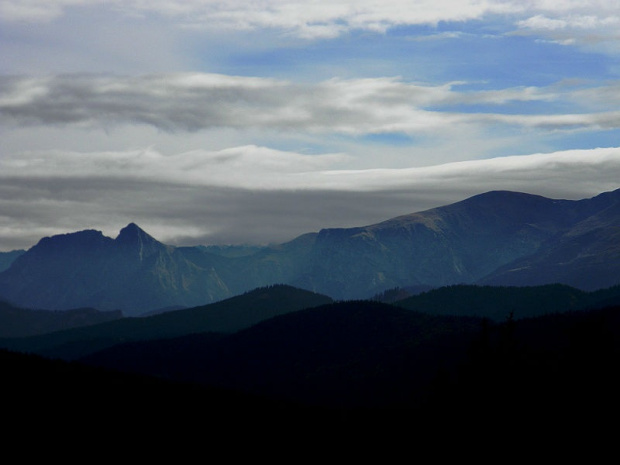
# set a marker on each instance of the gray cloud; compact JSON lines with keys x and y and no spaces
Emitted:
{"x":195,"y":101}
{"x":96,"y":178}
{"x":52,"y":193}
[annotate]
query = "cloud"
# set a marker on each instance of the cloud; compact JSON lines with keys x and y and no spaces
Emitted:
{"x":255,"y":194}
{"x":37,"y":10}
{"x":131,"y":147}
{"x":200,"y":101}
{"x":590,"y":23}
{"x":305,"y":19}
{"x":329,"y":19}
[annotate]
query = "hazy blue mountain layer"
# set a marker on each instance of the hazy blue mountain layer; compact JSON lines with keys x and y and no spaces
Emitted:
{"x":499,"y":237}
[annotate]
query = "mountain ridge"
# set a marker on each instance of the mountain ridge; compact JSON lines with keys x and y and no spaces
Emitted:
{"x":496,"y":238}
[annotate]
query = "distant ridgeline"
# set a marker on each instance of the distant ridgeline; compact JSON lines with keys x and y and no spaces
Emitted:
{"x":498,"y":238}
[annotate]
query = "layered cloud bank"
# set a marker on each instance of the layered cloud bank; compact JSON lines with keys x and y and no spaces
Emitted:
{"x":210,"y":121}
{"x":198,"y":101}
{"x":587,"y":21}
{"x":273,"y":196}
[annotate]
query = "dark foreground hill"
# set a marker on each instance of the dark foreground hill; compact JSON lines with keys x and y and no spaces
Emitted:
{"x":357,"y":353}
{"x":60,"y":402}
{"x":360,"y":355}
{"x":497,"y":238}
{"x":357,"y":370}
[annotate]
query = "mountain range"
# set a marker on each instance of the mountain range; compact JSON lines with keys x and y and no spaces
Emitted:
{"x":496,"y":238}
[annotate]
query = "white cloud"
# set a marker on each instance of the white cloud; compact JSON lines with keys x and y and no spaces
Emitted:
{"x":246,"y":167}
{"x":256,"y":194}
{"x":310,"y":19}
{"x":327,"y":19}
{"x":540,"y":22}
{"x":589,"y":23}
{"x":96,"y":177}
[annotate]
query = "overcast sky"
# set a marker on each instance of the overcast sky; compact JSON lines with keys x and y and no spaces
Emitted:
{"x":237,"y":121}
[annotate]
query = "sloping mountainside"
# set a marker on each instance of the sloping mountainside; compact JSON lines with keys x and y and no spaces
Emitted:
{"x":226,"y":316}
{"x":21,"y":322}
{"x":586,"y":255}
{"x":500,"y":238}
{"x":463,"y":243}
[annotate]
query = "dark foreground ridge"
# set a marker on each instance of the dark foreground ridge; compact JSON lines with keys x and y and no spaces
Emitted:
{"x":555,"y":373}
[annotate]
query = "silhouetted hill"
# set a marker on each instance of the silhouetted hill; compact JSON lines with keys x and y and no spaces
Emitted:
{"x":498,"y":303}
{"x":372,"y":368}
{"x":91,"y":403}
{"x":399,"y":293}
{"x":21,"y":322}
{"x":226,"y":316}
{"x":346,"y":354}
{"x":558,"y":369}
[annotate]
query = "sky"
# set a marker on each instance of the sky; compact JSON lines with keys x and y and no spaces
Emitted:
{"x":252,"y":122}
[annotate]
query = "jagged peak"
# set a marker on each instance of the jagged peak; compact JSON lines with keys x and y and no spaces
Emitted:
{"x":132,"y":233}
{"x":130,"y":229}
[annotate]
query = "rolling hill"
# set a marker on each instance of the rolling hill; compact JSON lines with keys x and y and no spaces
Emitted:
{"x":21,"y":322}
{"x":227,"y":316}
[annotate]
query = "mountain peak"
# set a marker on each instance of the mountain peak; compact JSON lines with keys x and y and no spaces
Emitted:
{"x":131,"y":228}
{"x":132,"y":234}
